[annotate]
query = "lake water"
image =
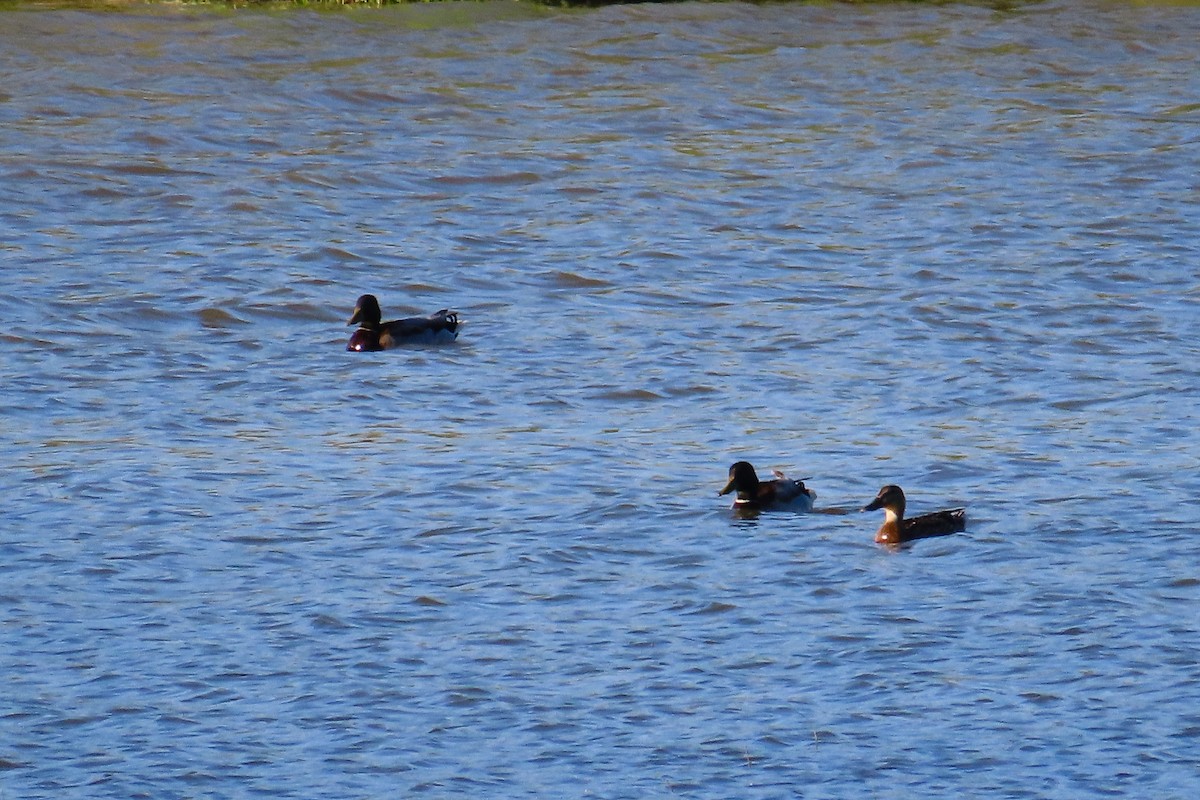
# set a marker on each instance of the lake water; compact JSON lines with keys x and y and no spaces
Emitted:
{"x":955,"y":248}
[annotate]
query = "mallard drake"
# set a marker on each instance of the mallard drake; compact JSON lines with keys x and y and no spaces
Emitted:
{"x":372,"y":334}
{"x":897,"y":529}
{"x":753,"y":494}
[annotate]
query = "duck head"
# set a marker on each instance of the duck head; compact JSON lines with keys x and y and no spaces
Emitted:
{"x":743,"y":479}
{"x":890,"y":499}
{"x":366,"y":312}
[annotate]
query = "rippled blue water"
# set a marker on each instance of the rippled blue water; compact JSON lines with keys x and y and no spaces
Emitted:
{"x":949,"y":247}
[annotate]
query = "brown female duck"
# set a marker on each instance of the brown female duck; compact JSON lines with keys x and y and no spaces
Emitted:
{"x":897,"y":529}
{"x":373,"y":334}
{"x":753,"y":494}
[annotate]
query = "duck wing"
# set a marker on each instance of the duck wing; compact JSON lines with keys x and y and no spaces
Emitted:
{"x":441,"y":324}
{"x":937,"y":523}
{"x":785,"y":490}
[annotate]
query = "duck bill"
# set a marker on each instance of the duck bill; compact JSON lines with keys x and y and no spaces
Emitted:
{"x":871,"y":506}
{"x":728,"y":488}
{"x":357,"y":316}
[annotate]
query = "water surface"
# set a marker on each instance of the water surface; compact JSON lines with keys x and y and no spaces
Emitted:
{"x":949,"y":247}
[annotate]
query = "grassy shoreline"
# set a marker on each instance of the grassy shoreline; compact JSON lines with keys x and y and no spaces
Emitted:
{"x":122,"y":4}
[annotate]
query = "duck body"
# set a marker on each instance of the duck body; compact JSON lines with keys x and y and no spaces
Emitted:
{"x":374,"y":334}
{"x":897,"y":528}
{"x":754,"y":495}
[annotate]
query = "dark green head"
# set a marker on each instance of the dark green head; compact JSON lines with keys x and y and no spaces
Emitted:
{"x":366,"y":312}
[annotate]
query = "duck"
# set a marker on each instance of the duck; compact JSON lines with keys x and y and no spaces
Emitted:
{"x":897,"y":529}
{"x":372,"y":334}
{"x":754,"y":495}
